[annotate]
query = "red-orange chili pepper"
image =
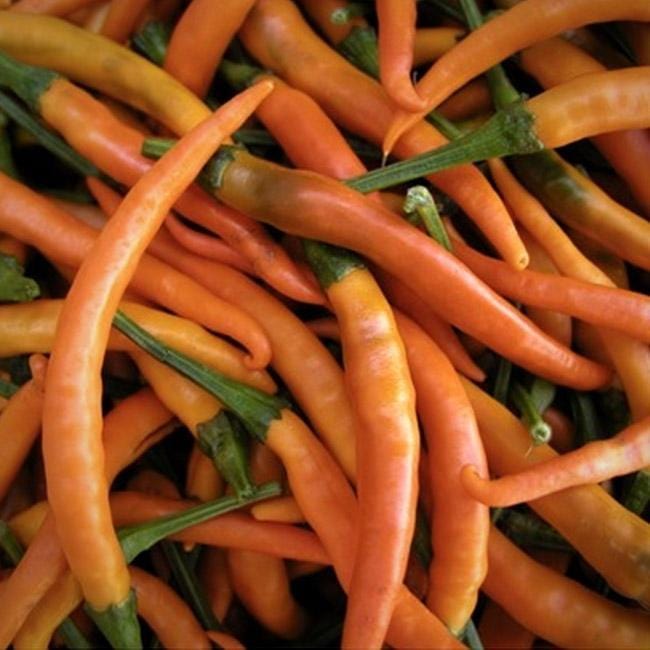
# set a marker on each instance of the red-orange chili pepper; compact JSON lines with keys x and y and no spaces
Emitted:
{"x":460,"y":525}
{"x":554,"y":62}
{"x":122,"y":18}
{"x":199,"y":40}
{"x":321,"y":12}
{"x":554,"y":607}
{"x":20,"y":424}
{"x":523,"y":25}
{"x":202,"y":482}
{"x":72,"y":411}
{"x":618,"y":309}
{"x":612,"y":539}
{"x":626,"y":452}
{"x":50,"y":7}
{"x":376,"y":372}
{"x":205,"y":245}
{"x":276,"y":35}
{"x":322,"y":209}
{"x":213,"y":576}
{"x":224,"y":640}
{"x":166,"y":613}
{"x":129,"y":430}
{"x":563,"y":430}
{"x":396,"y":41}
{"x":432,"y":42}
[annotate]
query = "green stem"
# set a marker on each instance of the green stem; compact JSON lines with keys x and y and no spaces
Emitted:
{"x":331,"y":264}
{"x":637,"y":495}
{"x":7,"y":388}
{"x":72,"y":636}
{"x":189,"y":586}
{"x":119,"y":623}
{"x":254,"y":137}
{"x":152,"y":41}
{"x":421,"y":544}
{"x":471,"y":637}
{"x":224,"y":441}
{"x":360,"y":48}
{"x":502,"y":382}
{"x":540,"y":431}
{"x":27,"y":81}
{"x":585,"y":418}
{"x":6,"y":159}
{"x":46,"y":138}
{"x":14,"y":286}
{"x":445,"y":126}
{"x":137,"y":539}
{"x":542,"y":393}
{"x":509,"y":132}
{"x":239,"y":75}
{"x":253,"y":407}
{"x":10,"y":544}
{"x":420,"y":202}
{"x":525,"y":529}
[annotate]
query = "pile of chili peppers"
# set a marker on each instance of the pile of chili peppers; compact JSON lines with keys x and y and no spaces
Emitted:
{"x":310,"y":338}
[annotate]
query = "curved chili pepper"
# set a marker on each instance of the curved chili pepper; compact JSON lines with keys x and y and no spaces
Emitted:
{"x":50,"y":7}
{"x":628,"y":451}
{"x":609,"y":537}
{"x":387,"y":440}
{"x":282,"y":509}
{"x":74,"y":240}
{"x":396,"y":20}
{"x":203,"y":482}
{"x":205,"y":245}
{"x":276,"y":35}
{"x":631,"y":358}
{"x":617,"y":309}
{"x":199,"y":40}
{"x":30,"y":327}
{"x":84,"y":325}
{"x":116,"y":149}
{"x":129,"y":430}
{"x":122,"y":18}
{"x":432,"y":42}
{"x":554,"y":62}
{"x":515,"y":29}
{"x":213,"y":575}
{"x":166,"y":613}
{"x":20,"y":423}
{"x":461,"y":525}
{"x":556,"y":607}
{"x":321,"y":209}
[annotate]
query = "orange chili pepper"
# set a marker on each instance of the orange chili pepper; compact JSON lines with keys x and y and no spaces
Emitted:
{"x":224,"y":641}
{"x":515,"y":29}
{"x":166,"y":613}
{"x":282,"y":509}
{"x":20,"y":423}
{"x":36,"y":221}
{"x":554,"y":62}
{"x":609,"y":537}
{"x":432,"y":42}
{"x":203,"y":482}
{"x":199,"y":40}
{"x":50,"y":7}
{"x":72,"y":411}
{"x":129,"y":430}
{"x":213,"y":576}
{"x":122,"y":18}
{"x":387,"y":441}
{"x":460,"y":525}
{"x":555,"y":608}
{"x":396,"y":20}
{"x":626,"y":452}
{"x":276,"y":35}
{"x":205,"y":245}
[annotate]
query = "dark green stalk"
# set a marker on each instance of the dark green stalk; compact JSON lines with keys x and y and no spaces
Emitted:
{"x":27,"y":81}
{"x":10,"y":544}
{"x":189,"y":586}
{"x":421,"y":544}
{"x":224,"y":441}
{"x":542,"y":393}
{"x":72,"y":636}
{"x":254,"y":137}
{"x":253,"y":407}
{"x":6,"y":159}
{"x":360,"y":48}
{"x":137,"y":539}
{"x":152,"y":41}
{"x":585,"y":418}
{"x":419,"y":202}
{"x":7,"y":388}
{"x":540,"y":431}
{"x":47,"y":138}
{"x":637,"y":494}
{"x":119,"y":623}
{"x":525,"y":529}
{"x":471,"y":637}
{"x":502,"y":382}
{"x":239,"y":75}
{"x":330,"y":263}
{"x":445,"y":126}
{"x":508,"y":132}
{"x":14,"y":286}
